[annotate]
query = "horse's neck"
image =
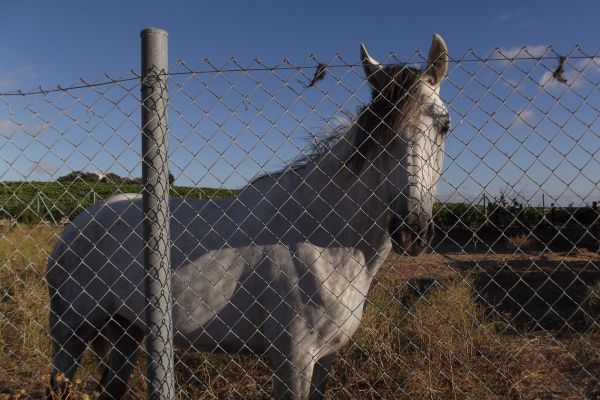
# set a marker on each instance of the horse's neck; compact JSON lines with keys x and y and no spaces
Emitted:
{"x":359,"y":202}
{"x":327,"y":204}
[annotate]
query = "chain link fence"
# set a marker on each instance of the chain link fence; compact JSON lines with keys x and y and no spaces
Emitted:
{"x":315,"y":250}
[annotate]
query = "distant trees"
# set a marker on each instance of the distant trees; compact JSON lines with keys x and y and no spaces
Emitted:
{"x":94,"y":177}
{"x":80,"y":176}
{"x":504,"y":212}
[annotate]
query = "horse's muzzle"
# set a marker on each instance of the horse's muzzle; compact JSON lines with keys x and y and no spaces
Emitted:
{"x":411,"y":239}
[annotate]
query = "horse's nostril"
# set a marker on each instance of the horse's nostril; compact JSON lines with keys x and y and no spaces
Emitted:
{"x":421,"y":235}
{"x":422,"y":231}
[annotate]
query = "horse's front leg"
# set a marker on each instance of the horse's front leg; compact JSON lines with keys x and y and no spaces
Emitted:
{"x":292,"y":372}
{"x":320,"y":376}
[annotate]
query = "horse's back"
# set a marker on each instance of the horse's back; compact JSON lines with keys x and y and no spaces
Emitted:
{"x":114,"y":228}
{"x":98,"y":261}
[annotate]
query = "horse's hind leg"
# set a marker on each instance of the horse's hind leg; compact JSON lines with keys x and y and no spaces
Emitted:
{"x":69,"y":344}
{"x":67,"y":355}
{"x":126,"y":340}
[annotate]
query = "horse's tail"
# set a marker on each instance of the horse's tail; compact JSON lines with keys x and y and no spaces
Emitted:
{"x":76,"y":273}
{"x":80,"y":238}
{"x":68,"y":324}
{"x":66,"y":257}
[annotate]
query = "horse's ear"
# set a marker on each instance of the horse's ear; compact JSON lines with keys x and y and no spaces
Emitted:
{"x":437,"y":62}
{"x":373,"y":69}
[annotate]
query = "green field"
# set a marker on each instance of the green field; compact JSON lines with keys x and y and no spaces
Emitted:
{"x":30,"y":202}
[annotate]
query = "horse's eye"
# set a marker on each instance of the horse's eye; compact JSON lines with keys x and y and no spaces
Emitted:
{"x":441,"y":118}
{"x":445,"y":126}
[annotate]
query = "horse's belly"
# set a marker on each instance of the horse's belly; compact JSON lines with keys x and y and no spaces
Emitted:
{"x":216,"y":306}
{"x":229,"y":332}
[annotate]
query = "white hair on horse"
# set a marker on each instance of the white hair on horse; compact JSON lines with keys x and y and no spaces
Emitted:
{"x":283,"y":268}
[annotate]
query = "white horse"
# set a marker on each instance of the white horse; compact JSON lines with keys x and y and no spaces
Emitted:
{"x":284,"y":268}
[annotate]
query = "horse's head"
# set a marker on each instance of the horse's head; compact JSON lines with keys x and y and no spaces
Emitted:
{"x":407,"y":121}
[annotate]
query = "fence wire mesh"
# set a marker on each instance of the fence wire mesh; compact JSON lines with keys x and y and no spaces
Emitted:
{"x":286,"y":191}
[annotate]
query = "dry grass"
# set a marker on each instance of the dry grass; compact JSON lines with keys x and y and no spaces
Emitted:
{"x":442,"y":346}
{"x":523,"y":241}
{"x":425,"y":334}
{"x":24,"y":346}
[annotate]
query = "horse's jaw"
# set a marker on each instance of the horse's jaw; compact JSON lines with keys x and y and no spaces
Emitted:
{"x":410,"y":239}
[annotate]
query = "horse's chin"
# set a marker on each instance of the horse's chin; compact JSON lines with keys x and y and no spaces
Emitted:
{"x":406,"y":241}
{"x":408,"y":246}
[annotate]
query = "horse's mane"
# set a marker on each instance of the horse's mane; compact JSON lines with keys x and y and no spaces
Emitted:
{"x":319,"y":144}
{"x":366,"y":132}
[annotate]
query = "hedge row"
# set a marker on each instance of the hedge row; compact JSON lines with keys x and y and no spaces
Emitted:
{"x":499,"y":216}
{"x":34,"y":201}
{"x":30,"y":202}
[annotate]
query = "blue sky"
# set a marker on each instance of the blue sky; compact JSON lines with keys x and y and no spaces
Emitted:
{"x":55,"y":43}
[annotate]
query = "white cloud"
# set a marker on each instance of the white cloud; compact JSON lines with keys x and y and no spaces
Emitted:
{"x":538,"y":50}
{"x":14,"y":79}
{"x":501,"y":19}
{"x":45,"y":168}
{"x":510,"y":83}
{"x":8,"y":128}
{"x":526,"y":116}
{"x":588,"y":67}
{"x":577,"y":74}
{"x":547,"y":81}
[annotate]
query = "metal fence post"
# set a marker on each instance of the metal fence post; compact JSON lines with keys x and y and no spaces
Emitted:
{"x":155,"y":177}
